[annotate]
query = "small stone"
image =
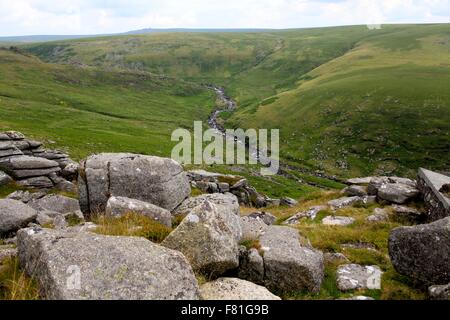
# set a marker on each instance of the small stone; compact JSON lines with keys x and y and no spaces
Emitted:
{"x":266,"y":217}
{"x":338,"y":221}
{"x":334,"y":256}
{"x":379,"y":215}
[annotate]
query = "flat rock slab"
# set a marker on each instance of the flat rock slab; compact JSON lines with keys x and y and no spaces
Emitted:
{"x":235,"y":289}
{"x":227,"y":200}
{"x":422,"y":252}
{"x":358,"y":191}
{"x":160,"y":181}
{"x":209,"y":238}
{"x":86,"y":266}
{"x":343,"y":202}
{"x":338,"y":221}
{"x":354,"y":277}
{"x":120,"y":206}
{"x":56,"y":203}
{"x":14,"y":215}
{"x":290,"y":263}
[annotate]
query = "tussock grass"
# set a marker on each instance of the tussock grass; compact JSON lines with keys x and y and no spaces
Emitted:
{"x":15,"y":284}
{"x":132,"y":224}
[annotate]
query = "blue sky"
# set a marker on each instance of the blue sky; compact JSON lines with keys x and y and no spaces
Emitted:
{"x":26,"y":17}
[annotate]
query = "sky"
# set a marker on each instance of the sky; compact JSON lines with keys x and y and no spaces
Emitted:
{"x":64,"y":17}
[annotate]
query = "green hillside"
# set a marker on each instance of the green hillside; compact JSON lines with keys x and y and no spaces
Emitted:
{"x":91,"y":110}
{"x":348,"y":100}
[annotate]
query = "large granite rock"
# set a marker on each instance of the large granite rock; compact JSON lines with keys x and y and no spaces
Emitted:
{"x":290,"y":264}
{"x":354,"y":277}
{"x":234,"y":289}
{"x":81,"y":265}
{"x":399,"y":193}
{"x":208,"y":236}
{"x":55,"y":203}
{"x":14,"y":215}
{"x":120,"y":206}
{"x":422,"y":252}
{"x":226,"y":200}
{"x":252,"y":228}
{"x":160,"y":181}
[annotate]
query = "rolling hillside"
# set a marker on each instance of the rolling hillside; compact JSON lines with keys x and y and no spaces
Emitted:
{"x":348,"y":100}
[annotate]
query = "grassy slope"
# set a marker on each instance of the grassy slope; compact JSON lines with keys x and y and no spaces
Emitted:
{"x":377,"y":101}
{"x":90,"y":110}
{"x":383,"y":107}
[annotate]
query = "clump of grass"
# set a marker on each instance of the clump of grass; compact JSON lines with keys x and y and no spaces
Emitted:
{"x":196,"y":192}
{"x":73,"y":220}
{"x":251,"y":244}
{"x":132,"y":224}
{"x":15,"y":284}
{"x":176,"y":220}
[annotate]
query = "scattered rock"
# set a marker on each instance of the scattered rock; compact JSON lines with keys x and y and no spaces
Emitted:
{"x":360,"y":298}
{"x":333,"y":257}
{"x":234,"y":289}
{"x":70,"y":265}
{"x":285,"y":201}
{"x":343,"y":202}
{"x":355,"y":191}
{"x":160,"y":181}
{"x":14,"y":215}
{"x":226,"y":200}
{"x":354,"y":276}
{"x":439,"y":292}
{"x":379,"y":215}
{"x":397,"y":192}
{"x":266,"y":217}
{"x":120,"y":206}
{"x":252,"y":228}
{"x":422,"y":252}
{"x":311,"y":213}
{"x":208,"y":237}
{"x":251,"y":265}
{"x":338,"y":221}
{"x":408,"y":213}
{"x":290,"y":266}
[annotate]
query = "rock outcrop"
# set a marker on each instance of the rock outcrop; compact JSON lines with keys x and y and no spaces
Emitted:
{"x":81,"y":265}
{"x":159,"y":181}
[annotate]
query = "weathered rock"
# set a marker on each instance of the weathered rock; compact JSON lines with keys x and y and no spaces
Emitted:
{"x":379,"y":215}
{"x":363,"y":181}
{"x":338,"y":221}
{"x":44,"y":219}
{"x":311,"y":213}
{"x":408,"y":213}
{"x":273,"y":202}
{"x":120,"y":206}
{"x":66,"y":186}
{"x":81,"y":265}
{"x":422,"y":252}
{"x":14,"y":215}
{"x":55,"y":203}
{"x":439,"y":292}
{"x":334,"y":256}
{"x":437,"y":201}
{"x":285,"y":201}
{"x":29,"y":163}
{"x":234,"y":289}
{"x":358,"y":191}
{"x":354,"y":276}
{"x":288,"y":265}
{"x":251,"y":265}
{"x":25,"y":196}
{"x":252,"y":228}
{"x":359,"y":298}
{"x":227,"y":200}
{"x":70,"y":171}
{"x":208,"y":237}
{"x":4,"y":178}
{"x":397,"y":192}
{"x":375,"y":184}
{"x":343,"y":202}
{"x":11,"y":135}
{"x":266,"y":217}
{"x":36,"y":182}
{"x":159,"y":181}
{"x":240,"y":184}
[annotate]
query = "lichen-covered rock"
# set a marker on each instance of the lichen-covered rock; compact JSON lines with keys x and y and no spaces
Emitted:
{"x":252,"y":228}
{"x":26,"y":167}
{"x":55,"y":203}
{"x":379,"y":215}
{"x":14,"y":215}
{"x":358,"y":191}
{"x":408,"y":213}
{"x":87,"y":266}
{"x":36,"y":182}
{"x":397,"y":192}
{"x":266,"y":217}
{"x":227,"y":200}
{"x":208,"y":236}
{"x":289,"y":264}
{"x":120,"y":206}
{"x":338,"y":221}
{"x":311,"y":213}
{"x":343,"y":202}
{"x":234,"y":289}
{"x":159,"y":181}
{"x":422,"y":252}
{"x":354,"y":277}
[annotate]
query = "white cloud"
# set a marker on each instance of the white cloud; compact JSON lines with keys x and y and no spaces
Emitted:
{"x":107,"y":16}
